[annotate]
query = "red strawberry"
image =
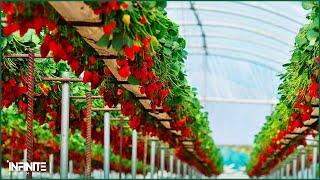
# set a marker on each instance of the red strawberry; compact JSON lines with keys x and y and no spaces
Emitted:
{"x":124,"y":71}
{"x":124,"y":6}
{"x":109,"y":27}
{"x":87,"y":77}
{"x":11,"y":28}
{"x":95,"y":79}
{"x":92,"y":60}
{"x":143,"y":20}
{"x":114,"y":5}
{"x":129,"y":52}
{"x":51,"y":124}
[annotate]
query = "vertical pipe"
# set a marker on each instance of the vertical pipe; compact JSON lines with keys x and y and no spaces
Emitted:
{"x":88,"y":135}
{"x":106,"y":145}
{"x":24,"y":160}
{"x":288,"y":170}
{"x":134,"y":154}
{"x":65,"y":98}
{"x":51,"y":165}
{"x":190,"y":172}
{"x":145,"y":149}
{"x":162,"y":160}
{"x":314,"y":161}
{"x":294,"y":168}
{"x":121,"y":136}
{"x":281,"y":172}
{"x":303,"y":161}
{"x":30,"y":93}
{"x":70,"y":169}
{"x":184,"y":170}
{"x":178,"y":169}
{"x":152,"y":159}
{"x":171,"y":164}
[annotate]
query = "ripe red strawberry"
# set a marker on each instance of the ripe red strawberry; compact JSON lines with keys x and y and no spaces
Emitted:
{"x":114,"y":5}
{"x":51,"y":124}
{"x":129,"y":52}
{"x":143,"y":20}
{"x":11,"y":28}
{"x":87,"y":77}
{"x":109,"y":27}
{"x":92,"y":60}
{"x":44,"y":48}
{"x":124,"y":71}
{"x":95,"y":80}
{"x":107,"y":71}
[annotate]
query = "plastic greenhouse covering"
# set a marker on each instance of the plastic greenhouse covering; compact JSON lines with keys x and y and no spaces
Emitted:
{"x":236,"y":50}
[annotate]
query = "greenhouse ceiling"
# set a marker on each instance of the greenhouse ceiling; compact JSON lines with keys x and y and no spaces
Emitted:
{"x":234,"y":58}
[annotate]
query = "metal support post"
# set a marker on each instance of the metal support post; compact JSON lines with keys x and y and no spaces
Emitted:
{"x":288,"y":170}
{"x":152,"y":159}
{"x":65,"y":98}
{"x":178,"y":169}
{"x":134,"y":154}
{"x":162,"y":160}
{"x":303,"y":162}
{"x":171,"y":161}
{"x":184,"y":170}
{"x":314,"y":161}
{"x":51,"y":165}
{"x":106,"y":146}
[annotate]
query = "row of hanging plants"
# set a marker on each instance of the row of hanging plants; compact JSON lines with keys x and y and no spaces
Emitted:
{"x":13,"y":138}
{"x":299,"y":94}
{"x":150,"y":54}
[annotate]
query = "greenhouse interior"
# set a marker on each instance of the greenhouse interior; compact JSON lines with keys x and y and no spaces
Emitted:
{"x":159,"y":89}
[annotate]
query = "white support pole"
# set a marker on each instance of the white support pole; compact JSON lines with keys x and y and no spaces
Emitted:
{"x":303,"y":161}
{"x":171,"y":164}
{"x":51,"y":165}
{"x":162,"y":161}
{"x":294,"y":168}
{"x":190,"y":172}
{"x":288,"y":170}
{"x":134,"y":154}
{"x":178,"y":169}
{"x":184,"y":170}
{"x":70,"y":169}
{"x":106,"y":146}
{"x":65,"y":98}
{"x":24,"y":160}
{"x":281,"y":172}
{"x":314,"y":161}
{"x":152,"y":158}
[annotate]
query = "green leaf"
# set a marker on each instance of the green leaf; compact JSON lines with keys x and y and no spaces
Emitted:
{"x":175,"y":45}
{"x":134,"y":81}
{"x":307,"y":4}
{"x":4,"y":43}
{"x":167,"y":51}
{"x":119,"y":40}
{"x":312,"y":35}
{"x":300,"y":41}
{"x":103,"y":41}
{"x":182,"y":42}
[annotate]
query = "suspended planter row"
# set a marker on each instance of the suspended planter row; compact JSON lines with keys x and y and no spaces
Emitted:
{"x":297,"y":113}
{"x":131,"y":56}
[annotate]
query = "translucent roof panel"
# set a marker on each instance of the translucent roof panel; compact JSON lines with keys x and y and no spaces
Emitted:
{"x":236,"y":50}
